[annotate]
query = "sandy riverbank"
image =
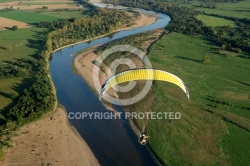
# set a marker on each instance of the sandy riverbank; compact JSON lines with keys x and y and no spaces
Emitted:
{"x":84,"y":66}
{"x":49,"y":140}
{"x":84,"y":61}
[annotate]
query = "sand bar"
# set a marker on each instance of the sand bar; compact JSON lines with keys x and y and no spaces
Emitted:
{"x":49,"y":140}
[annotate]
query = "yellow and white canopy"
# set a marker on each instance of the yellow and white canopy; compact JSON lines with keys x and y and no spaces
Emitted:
{"x":142,"y":74}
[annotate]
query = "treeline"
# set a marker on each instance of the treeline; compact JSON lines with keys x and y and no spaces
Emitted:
{"x":100,"y":21}
{"x":136,"y":40}
{"x":40,"y":98}
{"x":184,"y":21}
{"x":234,"y":39}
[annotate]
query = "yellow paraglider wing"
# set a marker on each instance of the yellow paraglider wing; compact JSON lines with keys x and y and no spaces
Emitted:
{"x":142,"y":74}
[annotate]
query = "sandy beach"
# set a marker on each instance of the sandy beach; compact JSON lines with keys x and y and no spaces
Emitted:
{"x":50,"y":140}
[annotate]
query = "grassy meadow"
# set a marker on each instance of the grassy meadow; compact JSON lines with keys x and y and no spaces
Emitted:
{"x":27,"y":16}
{"x":46,"y":3}
{"x":239,"y":10}
{"x":63,"y":14}
{"x":219,"y":92}
{"x":215,"y":21}
{"x":217,"y":114}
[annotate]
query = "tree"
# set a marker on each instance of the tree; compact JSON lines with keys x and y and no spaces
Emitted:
{"x":45,"y":7}
{"x":14,"y":27}
{"x":14,"y":95}
{"x":206,"y":59}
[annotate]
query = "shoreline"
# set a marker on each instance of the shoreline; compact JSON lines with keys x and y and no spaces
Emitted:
{"x":83,"y":66}
{"x":143,"y":16}
{"x":49,"y":140}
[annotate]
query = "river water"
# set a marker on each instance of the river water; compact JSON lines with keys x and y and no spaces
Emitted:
{"x":111,"y":140}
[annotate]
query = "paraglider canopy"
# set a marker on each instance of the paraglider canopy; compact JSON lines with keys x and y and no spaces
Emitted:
{"x":142,"y":74}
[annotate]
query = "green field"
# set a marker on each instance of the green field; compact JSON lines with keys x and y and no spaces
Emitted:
{"x":236,"y":144}
{"x":63,"y":14}
{"x":16,"y":45}
{"x":44,"y":3}
{"x":239,"y":10}
{"x":194,"y":139}
{"x":27,"y":16}
{"x":8,"y":0}
{"x":215,"y":21}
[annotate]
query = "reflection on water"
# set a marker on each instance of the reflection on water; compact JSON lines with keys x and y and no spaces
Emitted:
{"x":112,"y":141}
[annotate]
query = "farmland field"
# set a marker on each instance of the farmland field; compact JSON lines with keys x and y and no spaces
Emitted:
{"x":39,"y":4}
{"x":215,"y":21}
{"x":239,"y":10}
{"x":63,"y":14}
{"x":27,"y":16}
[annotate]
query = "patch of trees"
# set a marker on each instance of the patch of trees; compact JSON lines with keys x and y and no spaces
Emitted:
{"x":100,"y":22}
{"x":54,"y":24}
{"x":34,"y":102}
{"x":19,"y":68}
{"x":184,"y":21}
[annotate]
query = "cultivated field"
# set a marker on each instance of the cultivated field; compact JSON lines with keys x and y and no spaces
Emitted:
{"x":39,"y":4}
{"x":8,"y":23}
{"x":33,"y":12}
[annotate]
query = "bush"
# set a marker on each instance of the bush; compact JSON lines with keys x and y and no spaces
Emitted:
{"x":14,"y":28}
{"x":206,"y":59}
{"x":45,"y":7}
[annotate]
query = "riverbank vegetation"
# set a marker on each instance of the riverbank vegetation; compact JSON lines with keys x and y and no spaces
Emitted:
{"x":25,"y":55}
{"x":219,"y":89}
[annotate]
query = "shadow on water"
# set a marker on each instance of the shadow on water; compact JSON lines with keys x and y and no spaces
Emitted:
{"x":112,"y":140}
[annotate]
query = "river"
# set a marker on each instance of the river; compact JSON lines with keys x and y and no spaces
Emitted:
{"x":112,"y":140}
